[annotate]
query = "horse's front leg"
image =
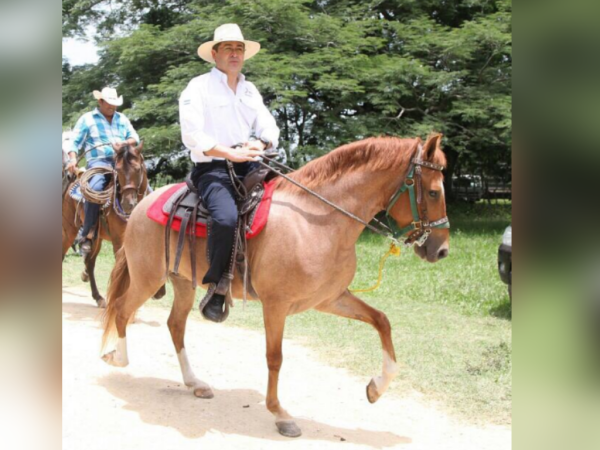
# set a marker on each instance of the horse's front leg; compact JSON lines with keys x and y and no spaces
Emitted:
{"x":274,"y":318}
{"x":182,"y":305}
{"x":347,"y":305}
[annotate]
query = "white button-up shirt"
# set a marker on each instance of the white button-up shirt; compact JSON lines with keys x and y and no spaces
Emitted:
{"x":210,"y":113}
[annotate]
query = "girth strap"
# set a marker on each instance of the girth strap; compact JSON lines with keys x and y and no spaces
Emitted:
{"x":168,"y":235}
{"x":193,"y":244}
{"x":180,"y":242}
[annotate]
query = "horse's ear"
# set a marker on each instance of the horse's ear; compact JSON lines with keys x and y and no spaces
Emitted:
{"x":139,"y":148}
{"x":118,"y":148}
{"x":430,"y":147}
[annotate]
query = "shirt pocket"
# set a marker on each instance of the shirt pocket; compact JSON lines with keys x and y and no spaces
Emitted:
{"x":217,"y":109}
{"x":249,"y":107}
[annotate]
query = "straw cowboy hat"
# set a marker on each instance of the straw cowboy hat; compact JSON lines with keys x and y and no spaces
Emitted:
{"x":224,"y":33}
{"x":109,"y":95}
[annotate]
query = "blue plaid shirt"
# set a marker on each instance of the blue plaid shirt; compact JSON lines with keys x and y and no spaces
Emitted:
{"x":93,"y":129}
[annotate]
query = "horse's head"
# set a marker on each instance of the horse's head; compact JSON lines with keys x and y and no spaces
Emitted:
{"x":131,"y":175}
{"x":427,"y":224}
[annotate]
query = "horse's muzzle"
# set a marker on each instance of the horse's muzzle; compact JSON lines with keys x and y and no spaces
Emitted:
{"x":128,"y":204}
{"x":433,"y":250}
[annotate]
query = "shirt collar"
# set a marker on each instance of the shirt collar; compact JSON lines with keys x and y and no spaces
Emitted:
{"x":97,"y":112}
{"x":222,"y":76}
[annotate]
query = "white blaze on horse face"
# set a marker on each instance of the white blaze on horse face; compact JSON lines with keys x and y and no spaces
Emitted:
{"x":189,"y":379}
{"x":390,"y":370}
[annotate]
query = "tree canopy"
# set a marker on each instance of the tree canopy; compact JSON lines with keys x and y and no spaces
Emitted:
{"x":330,"y":71}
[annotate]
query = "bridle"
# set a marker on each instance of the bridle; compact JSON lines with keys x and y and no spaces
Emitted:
{"x":420,"y":228}
{"x":128,"y":187}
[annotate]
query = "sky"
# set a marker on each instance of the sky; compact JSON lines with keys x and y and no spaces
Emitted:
{"x":79,"y":52}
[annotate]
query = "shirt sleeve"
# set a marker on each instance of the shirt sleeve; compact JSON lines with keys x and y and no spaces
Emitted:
{"x":130,"y":131}
{"x":191,"y":118}
{"x":266,"y":128}
{"x":80,"y":134}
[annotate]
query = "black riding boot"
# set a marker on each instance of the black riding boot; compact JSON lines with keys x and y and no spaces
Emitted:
{"x":213,"y":310}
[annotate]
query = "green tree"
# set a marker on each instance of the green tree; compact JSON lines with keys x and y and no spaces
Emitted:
{"x":331,"y":71}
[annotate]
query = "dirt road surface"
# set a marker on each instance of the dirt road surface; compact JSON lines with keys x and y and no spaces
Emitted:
{"x":146,"y":406}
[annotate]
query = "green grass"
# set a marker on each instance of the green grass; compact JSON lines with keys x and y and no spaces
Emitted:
{"x":450,"y":320}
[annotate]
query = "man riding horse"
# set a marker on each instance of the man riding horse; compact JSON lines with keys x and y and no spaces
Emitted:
{"x":99,"y":133}
{"x":217,"y":111}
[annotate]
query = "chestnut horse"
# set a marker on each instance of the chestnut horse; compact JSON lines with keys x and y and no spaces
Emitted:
{"x":304,"y":258}
{"x":132,"y":184}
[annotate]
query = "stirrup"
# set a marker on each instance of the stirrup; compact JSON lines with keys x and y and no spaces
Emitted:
{"x":207,"y":298}
{"x":85,"y":245}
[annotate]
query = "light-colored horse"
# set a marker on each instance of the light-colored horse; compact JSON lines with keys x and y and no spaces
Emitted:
{"x":304,"y":258}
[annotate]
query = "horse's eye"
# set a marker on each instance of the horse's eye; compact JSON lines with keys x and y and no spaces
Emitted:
{"x":434,"y":194}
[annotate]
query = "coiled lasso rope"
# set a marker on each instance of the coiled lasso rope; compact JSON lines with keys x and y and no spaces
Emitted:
{"x":105,"y":197}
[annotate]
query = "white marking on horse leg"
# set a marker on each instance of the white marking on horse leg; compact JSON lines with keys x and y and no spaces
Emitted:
{"x":118,"y":357}
{"x":201,"y":389}
{"x":389,"y":372}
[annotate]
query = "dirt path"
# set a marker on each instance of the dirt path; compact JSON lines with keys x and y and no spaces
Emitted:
{"x":145,"y":406}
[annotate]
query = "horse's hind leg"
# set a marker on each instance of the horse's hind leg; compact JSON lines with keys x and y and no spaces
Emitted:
{"x":182,"y":305}
{"x":274,"y":324}
{"x":90,"y":265}
{"x":126,"y":293}
{"x":347,"y":305}
{"x":69,"y":230}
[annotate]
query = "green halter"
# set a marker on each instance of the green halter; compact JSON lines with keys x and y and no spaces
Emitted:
{"x":420,"y":228}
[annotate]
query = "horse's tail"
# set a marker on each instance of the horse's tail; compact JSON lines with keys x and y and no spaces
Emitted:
{"x":117,"y":287}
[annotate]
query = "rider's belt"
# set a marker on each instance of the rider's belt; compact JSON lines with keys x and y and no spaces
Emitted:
{"x":214,"y":163}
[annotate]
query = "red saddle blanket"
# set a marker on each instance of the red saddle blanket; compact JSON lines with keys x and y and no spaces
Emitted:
{"x":156,"y":213}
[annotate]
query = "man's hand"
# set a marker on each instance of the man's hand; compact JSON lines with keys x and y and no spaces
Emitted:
{"x":255,"y":145}
{"x":72,"y":166}
{"x":117,"y":146}
{"x":243,"y":154}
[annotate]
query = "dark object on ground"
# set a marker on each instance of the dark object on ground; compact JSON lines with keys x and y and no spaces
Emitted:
{"x":505,"y":259}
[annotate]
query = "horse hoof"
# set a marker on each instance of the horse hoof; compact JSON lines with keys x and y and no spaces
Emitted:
{"x":101,"y":303}
{"x":205,"y":393}
{"x":288,"y":429}
{"x":110,"y":359}
{"x":85,"y":277}
{"x":372,"y":394}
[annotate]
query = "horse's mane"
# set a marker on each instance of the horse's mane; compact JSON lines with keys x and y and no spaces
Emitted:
{"x":369,"y":155}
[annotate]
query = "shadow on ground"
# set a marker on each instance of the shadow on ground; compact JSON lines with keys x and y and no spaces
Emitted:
{"x":237,"y":412}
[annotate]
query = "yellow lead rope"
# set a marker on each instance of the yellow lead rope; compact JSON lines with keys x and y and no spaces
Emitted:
{"x":392,"y":251}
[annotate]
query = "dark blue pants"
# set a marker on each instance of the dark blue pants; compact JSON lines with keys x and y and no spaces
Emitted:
{"x":92,"y":210}
{"x":218,"y":194}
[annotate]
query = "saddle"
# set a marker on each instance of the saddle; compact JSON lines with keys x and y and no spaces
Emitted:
{"x":186,"y":205}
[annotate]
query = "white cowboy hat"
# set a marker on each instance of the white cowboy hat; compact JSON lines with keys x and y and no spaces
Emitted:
{"x":109,"y":95}
{"x":224,"y":33}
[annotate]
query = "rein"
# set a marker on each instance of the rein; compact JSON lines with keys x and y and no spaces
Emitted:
{"x":324,"y":200}
{"x":420,"y":228}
